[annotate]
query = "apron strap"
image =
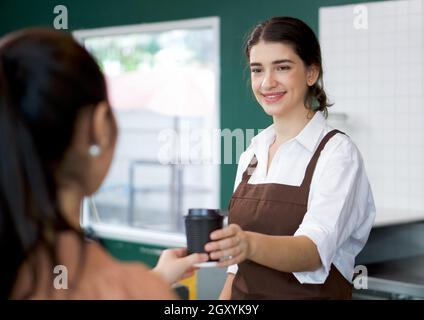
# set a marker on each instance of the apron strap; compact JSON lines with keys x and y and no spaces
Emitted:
{"x":306,"y":183}
{"x":250,"y":168}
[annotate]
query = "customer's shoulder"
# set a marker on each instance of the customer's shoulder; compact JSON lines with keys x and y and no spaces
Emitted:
{"x":121,"y":280}
{"x":88,"y":272}
{"x":141,"y":283}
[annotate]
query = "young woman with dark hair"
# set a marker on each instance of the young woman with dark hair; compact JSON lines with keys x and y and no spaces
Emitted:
{"x":57,"y":139}
{"x":302,"y":207}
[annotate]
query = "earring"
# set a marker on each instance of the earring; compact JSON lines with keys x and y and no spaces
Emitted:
{"x":94,"y":150}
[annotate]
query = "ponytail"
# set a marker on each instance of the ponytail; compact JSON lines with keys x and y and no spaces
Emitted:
{"x":316,"y":98}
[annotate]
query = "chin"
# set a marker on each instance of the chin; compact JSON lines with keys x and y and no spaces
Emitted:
{"x":274,"y":110}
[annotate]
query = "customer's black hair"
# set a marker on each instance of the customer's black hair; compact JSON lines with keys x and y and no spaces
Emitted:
{"x":46,"y":80}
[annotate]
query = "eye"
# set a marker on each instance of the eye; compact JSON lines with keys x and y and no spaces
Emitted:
{"x":256,"y":70}
{"x":283,"y":68}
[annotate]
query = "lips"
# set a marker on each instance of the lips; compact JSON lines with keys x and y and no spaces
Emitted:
{"x":273,"y":97}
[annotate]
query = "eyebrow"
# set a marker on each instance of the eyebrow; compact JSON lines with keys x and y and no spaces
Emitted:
{"x":257,"y":64}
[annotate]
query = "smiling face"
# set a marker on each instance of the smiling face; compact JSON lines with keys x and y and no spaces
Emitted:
{"x":279,"y":78}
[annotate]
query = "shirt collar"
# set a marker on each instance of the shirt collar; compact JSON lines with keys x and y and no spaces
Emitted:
{"x":308,"y":137}
{"x":311,"y":133}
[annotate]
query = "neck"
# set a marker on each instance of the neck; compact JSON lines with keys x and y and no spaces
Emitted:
{"x":289,"y":125}
{"x":70,"y":198}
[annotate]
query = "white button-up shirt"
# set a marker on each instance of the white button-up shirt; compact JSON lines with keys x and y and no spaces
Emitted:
{"x":341,"y":208}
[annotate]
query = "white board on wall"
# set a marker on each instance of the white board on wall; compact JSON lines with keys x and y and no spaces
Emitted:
{"x":373,"y":56}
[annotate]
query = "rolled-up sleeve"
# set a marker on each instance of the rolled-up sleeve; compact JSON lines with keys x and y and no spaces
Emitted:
{"x":338,"y":205}
{"x":232,"y":269}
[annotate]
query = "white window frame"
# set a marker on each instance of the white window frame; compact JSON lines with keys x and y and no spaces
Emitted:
{"x":144,"y":235}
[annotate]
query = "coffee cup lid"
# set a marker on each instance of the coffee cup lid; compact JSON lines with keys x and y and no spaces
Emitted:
{"x":202,"y":212}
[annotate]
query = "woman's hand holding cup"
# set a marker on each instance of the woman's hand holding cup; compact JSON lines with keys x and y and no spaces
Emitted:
{"x":175,"y":265}
{"x":230,"y":245}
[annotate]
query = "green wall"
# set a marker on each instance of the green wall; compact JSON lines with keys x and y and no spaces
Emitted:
{"x":133,"y":251}
{"x":238,"y":108}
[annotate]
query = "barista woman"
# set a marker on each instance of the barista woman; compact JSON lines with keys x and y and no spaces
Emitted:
{"x":302,"y":208}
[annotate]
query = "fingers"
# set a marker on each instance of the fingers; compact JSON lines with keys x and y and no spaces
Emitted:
{"x":230,"y":246}
{"x":196,"y":258}
{"x":179,"y":256}
{"x":179,"y":252}
{"x":231,"y":236}
{"x":229,"y":231}
{"x":223,"y":244}
{"x":231,"y":261}
{"x":232,"y":252}
{"x":187,"y":274}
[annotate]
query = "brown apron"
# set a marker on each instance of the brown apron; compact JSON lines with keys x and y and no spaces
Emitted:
{"x":278,"y":209}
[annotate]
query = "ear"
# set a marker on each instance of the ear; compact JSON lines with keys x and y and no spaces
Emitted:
{"x":312,"y":75}
{"x":101,"y":125}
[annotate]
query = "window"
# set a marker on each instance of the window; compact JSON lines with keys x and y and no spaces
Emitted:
{"x":163,"y":86}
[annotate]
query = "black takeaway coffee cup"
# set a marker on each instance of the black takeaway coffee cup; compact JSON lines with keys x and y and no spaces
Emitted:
{"x":199,"y":224}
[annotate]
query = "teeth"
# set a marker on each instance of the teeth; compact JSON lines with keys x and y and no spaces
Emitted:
{"x":274,"y":95}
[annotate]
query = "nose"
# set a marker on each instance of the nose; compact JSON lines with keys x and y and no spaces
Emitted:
{"x":268,"y":81}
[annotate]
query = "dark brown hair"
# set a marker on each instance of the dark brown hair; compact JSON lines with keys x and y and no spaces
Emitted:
{"x":300,"y":36}
{"x":46,"y":80}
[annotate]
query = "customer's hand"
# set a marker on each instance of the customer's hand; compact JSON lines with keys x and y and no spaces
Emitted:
{"x":230,"y":245}
{"x":175,"y":265}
